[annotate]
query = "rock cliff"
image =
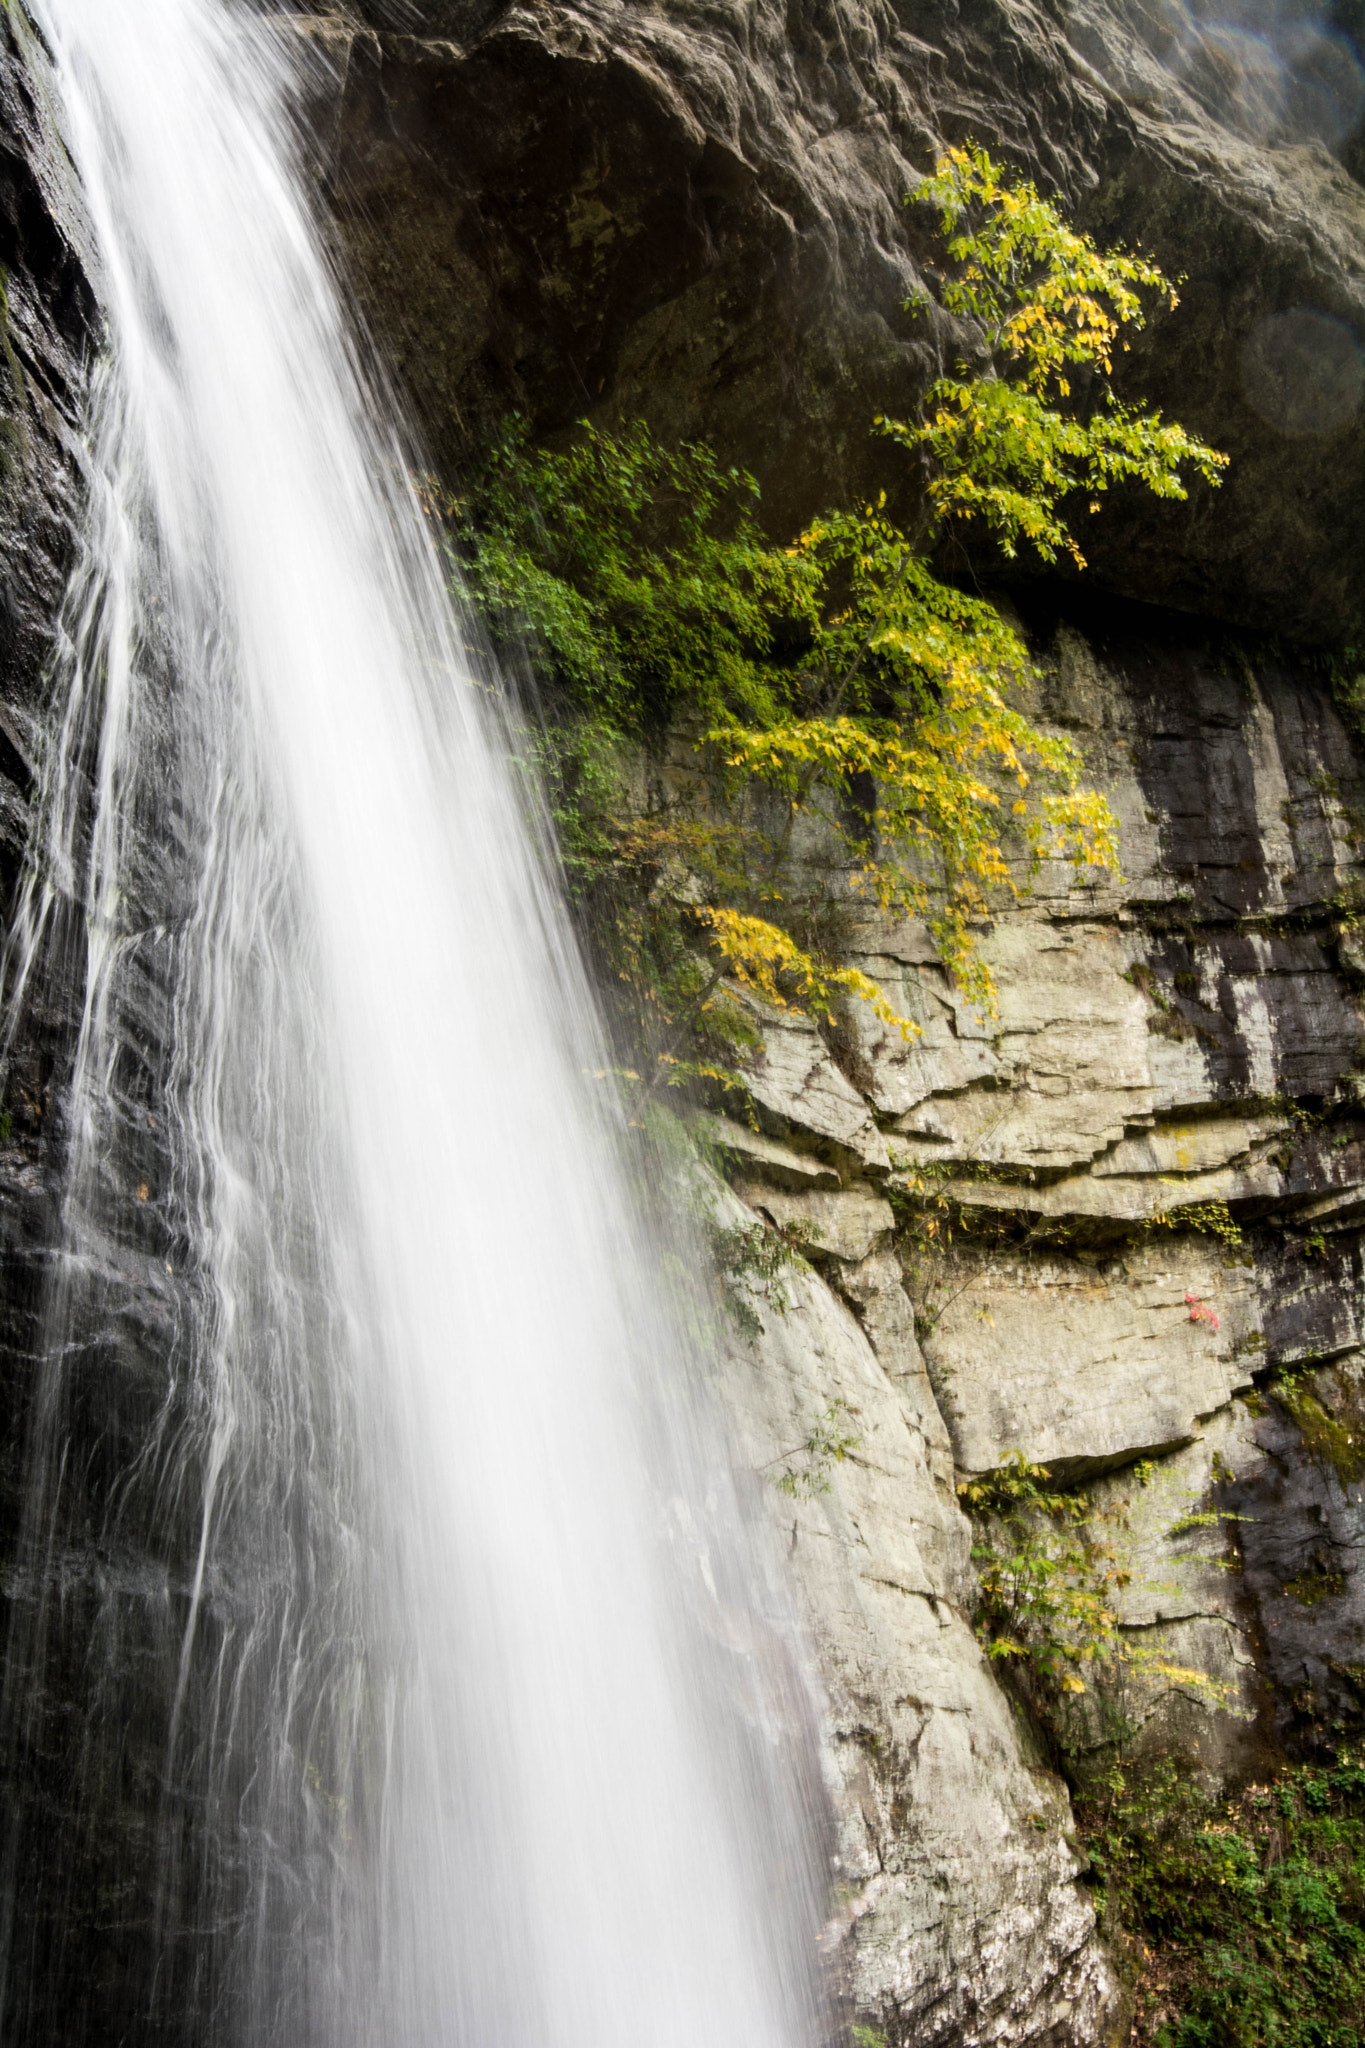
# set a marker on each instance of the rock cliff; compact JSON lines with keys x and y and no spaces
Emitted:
{"x":1156,"y":1156}
{"x":1153,"y":1162}
{"x":693,"y":209}
{"x":47,"y":319}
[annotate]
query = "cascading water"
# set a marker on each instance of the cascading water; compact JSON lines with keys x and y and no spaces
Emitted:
{"x":388,"y":1660}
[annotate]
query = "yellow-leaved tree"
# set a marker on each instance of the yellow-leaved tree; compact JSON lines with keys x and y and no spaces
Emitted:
{"x":1034,"y":433}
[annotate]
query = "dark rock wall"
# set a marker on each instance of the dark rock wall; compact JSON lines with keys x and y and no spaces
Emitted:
{"x":95,"y":1885}
{"x":47,"y":325}
{"x":695,"y":211}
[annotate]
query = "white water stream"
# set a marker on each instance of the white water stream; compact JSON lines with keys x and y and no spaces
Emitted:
{"x":478,"y":1719}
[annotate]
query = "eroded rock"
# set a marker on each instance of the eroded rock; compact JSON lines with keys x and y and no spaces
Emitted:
{"x":1136,"y":1199}
{"x":850,"y":1224}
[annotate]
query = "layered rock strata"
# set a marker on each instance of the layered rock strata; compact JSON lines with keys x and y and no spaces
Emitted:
{"x":1153,"y":1165}
{"x":1153,"y":1156}
{"x":957,"y":1913}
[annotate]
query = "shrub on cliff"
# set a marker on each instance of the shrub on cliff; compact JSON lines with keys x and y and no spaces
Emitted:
{"x":1244,"y":1916}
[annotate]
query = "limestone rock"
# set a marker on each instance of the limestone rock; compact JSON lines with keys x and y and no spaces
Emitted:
{"x":783,"y":1165}
{"x":952,"y":1049}
{"x":1172,"y":1053}
{"x":1244,"y":1550}
{"x":1080,"y":1367}
{"x":962,"y":1917}
{"x":1301,"y":1487}
{"x":1193,"y":1687}
{"x":850,"y":1224}
{"x":874,"y":1291}
{"x":1191,"y":1148}
{"x":796,"y":1081}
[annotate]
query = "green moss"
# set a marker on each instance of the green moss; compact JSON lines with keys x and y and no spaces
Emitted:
{"x":1315,"y":1583}
{"x":1325,"y":1439}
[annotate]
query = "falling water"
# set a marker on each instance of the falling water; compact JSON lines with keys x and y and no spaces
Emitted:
{"x":389,"y":1661}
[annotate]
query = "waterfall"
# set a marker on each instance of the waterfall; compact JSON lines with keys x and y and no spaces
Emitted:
{"x":393,"y":1655}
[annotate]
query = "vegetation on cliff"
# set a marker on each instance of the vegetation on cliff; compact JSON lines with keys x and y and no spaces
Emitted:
{"x":1051,"y":1565}
{"x":834,"y":692}
{"x":727,"y":719}
{"x":1023,"y":434}
{"x":1243,"y":1917}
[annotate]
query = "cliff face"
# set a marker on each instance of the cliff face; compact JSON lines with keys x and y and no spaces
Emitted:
{"x":694,"y":211}
{"x":47,"y":318}
{"x":1172,"y":1052}
{"x":1157,"y":1155}
{"x":958,"y":1918}
{"x":91,"y":1642}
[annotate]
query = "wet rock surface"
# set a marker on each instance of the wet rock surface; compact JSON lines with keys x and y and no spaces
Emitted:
{"x":91,"y":1642}
{"x":47,"y":320}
